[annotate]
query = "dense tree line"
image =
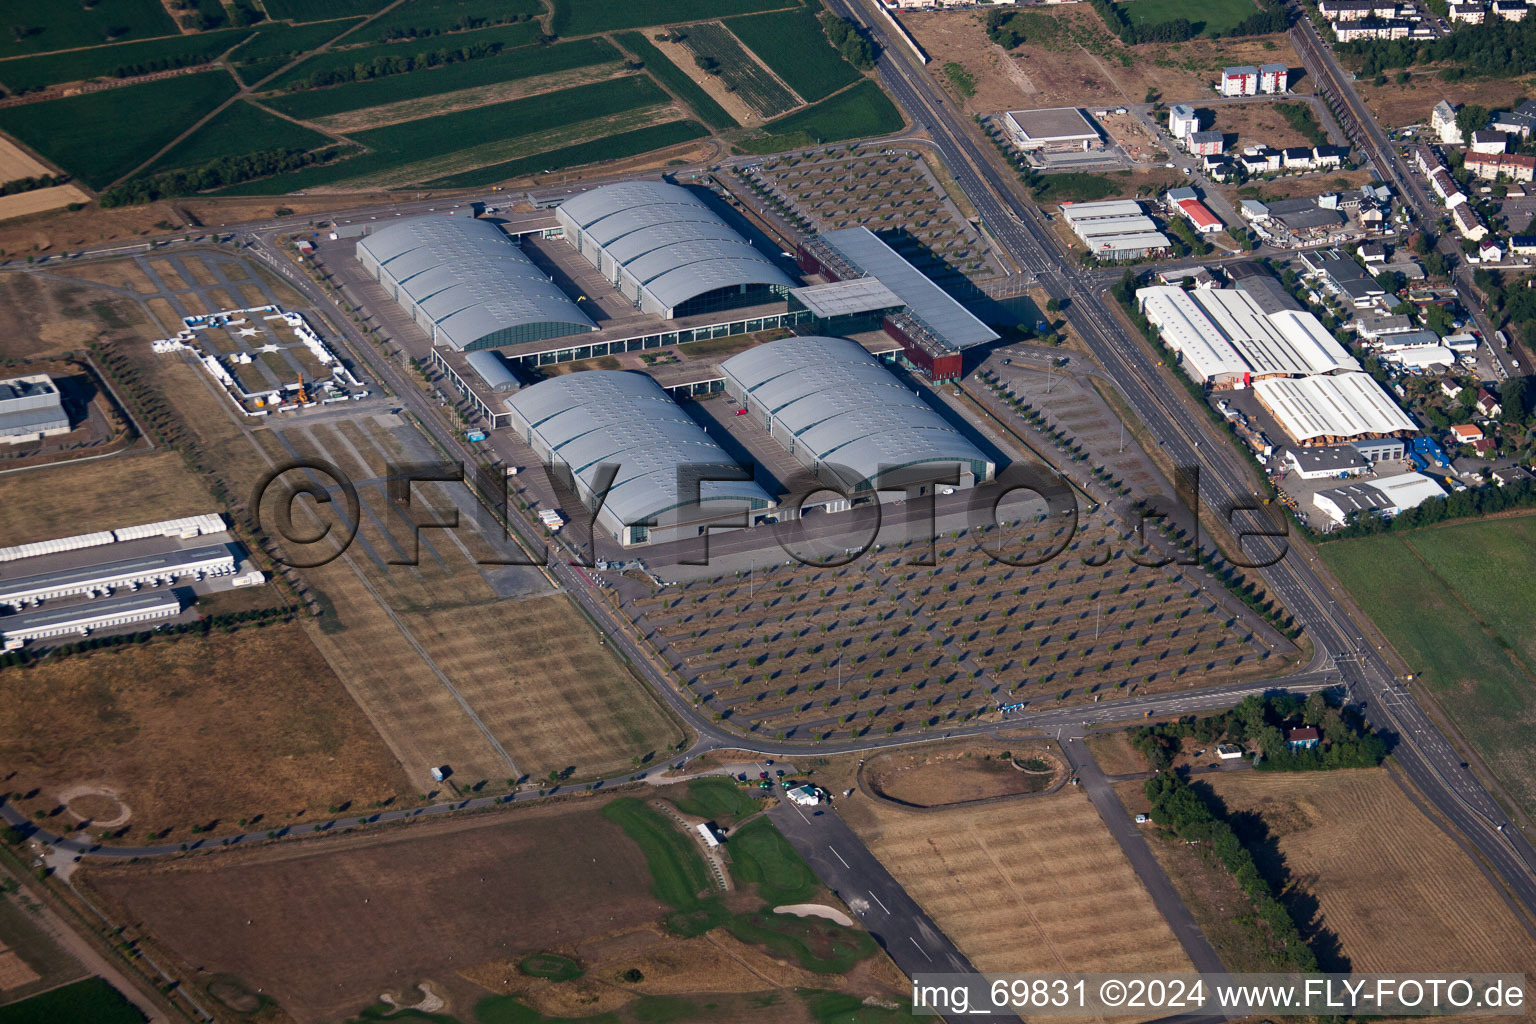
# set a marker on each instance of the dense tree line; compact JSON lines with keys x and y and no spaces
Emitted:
{"x":1346,"y":740}
{"x":1458,"y":505}
{"x":394,"y":64}
{"x":1177,"y":806}
{"x":464,"y":24}
{"x":32,"y":184}
{"x":1496,"y":47}
{"x":228,"y":170}
{"x":848,"y":41}
{"x":1517,"y":304}
{"x":1271,"y":17}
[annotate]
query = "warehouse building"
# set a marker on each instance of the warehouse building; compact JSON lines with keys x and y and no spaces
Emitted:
{"x":1386,"y":496}
{"x":16,"y":630}
{"x":663,"y":248}
{"x":104,"y":577}
{"x":615,"y":418}
{"x":1052,"y":130}
{"x":185,"y":527}
{"x":1205,"y":354}
{"x":1330,"y":409}
{"x":1290,"y":343}
{"x":493,"y":371}
{"x":1115,"y":229}
{"x":932,"y":327}
{"x":846,"y":418}
{"x":468,"y":284}
{"x":31,"y":409}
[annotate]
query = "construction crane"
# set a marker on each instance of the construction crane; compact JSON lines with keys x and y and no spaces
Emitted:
{"x":303,"y":398}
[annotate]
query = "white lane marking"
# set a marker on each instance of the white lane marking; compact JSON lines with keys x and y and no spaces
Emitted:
{"x":881,"y":902}
{"x":838,"y":855}
{"x":920,"y":949}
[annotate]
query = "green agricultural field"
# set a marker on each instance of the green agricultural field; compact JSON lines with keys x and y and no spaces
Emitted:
{"x":275,"y":44}
{"x":91,"y":1000}
{"x":743,"y":75}
{"x":794,"y":46}
{"x":1214,"y":15}
{"x":678,"y":871}
{"x":23,"y":74}
{"x":611,"y":147}
{"x":102,"y":136}
{"x":675,"y":81}
{"x":38,"y":26}
{"x":525,"y":62}
{"x":315,"y":10}
{"x":239,"y":129}
{"x":855,"y":113}
{"x":507,"y":36}
{"x":496,"y":126}
{"x":761,"y":856}
{"x":1459,"y":604}
{"x":583,"y":17}
{"x":429,"y":17}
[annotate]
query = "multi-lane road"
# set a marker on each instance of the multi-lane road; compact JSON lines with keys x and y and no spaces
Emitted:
{"x":1429,"y":759}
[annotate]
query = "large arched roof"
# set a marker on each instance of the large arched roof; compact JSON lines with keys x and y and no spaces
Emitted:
{"x":469,"y":278}
{"x":846,"y":409}
{"x":669,"y":240}
{"x":625,"y":419}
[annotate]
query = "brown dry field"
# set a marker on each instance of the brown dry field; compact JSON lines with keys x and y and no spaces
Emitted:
{"x":196,"y":730}
{"x":1114,"y":752}
{"x":124,"y":273}
{"x":463,"y":99}
{"x":144,"y":487}
{"x":1398,"y":105}
{"x":41,"y":314}
{"x":1398,"y":892}
{"x":324,"y":926}
{"x":714,"y":85}
{"x":1025,"y":885}
{"x":1307,"y":185}
{"x":16,"y":162}
{"x":166,"y":271}
{"x":40,"y":199}
{"x":1079,"y":63}
{"x":199,"y":271}
{"x":951,"y":774}
{"x":1254,"y":124}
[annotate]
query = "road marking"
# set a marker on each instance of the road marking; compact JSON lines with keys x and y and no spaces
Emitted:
{"x":840,"y":857}
{"x":878,"y":900}
{"x":920,"y":949}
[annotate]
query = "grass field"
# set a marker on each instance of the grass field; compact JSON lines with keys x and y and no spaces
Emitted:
{"x":1456,"y":601}
{"x":26,"y":73}
{"x":719,"y":799}
{"x":98,"y":137}
{"x":525,"y":62}
{"x":611,"y":147}
{"x":678,"y":83}
{"x":239,"y":129}
{"x":37,"y":26}
{"x":1029,"y":885}
{"x":678,"y":873}
{"x":863,"y":110}
{"x":794,"y":46}
{"x":275,"y":44}
{"x":761,"y":856}
{"x":196,"y":731}
{"x":1399,"y":894}
{"x":1208,"y":16}
{"x":737,"y":69}
{"x":584,"y":17}
{"x":324,"y":928}
{"x":90,"y":1000}
{"x":508,"y":36}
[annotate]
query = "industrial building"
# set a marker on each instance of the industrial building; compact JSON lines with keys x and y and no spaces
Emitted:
{"x":16,"y":630}
{"x":493,"y":371}
{"x":663,"y":248}
{"x":932,"y":327}
{"x":1115,"y":229}
{"x":1329,"y":409}
{"x":1341,"y":276}
{"x":1226,"y":337}
{"x":31,"y":409}
{"x":1386,"y":496}
{"x":104,"y":577}
{"x":597,"y":419}
{"x":186,"y":528}
{"x":1052,"y":130}
{"x":1328,"y":462}
{"x":469,"y":285}
{"x":847,"y":418}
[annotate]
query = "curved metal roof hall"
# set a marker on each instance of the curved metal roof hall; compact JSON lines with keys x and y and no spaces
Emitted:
{"x":468,"y":283}
{"x":624,"y":419}
{"x":662,"y":246}
{"x":829,"y":400}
